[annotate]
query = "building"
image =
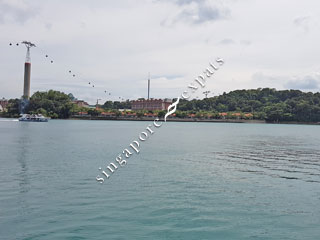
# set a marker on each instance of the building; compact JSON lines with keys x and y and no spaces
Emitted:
{"x":151,"y":104}
{"x":108,"y":114}
{"x":3,"y":103}
{"x":81,"y":103}
{"x":83,"y":114}
{"x":223,"y":115}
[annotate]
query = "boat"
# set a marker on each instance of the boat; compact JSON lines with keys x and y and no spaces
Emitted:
{"x":33,"y":118}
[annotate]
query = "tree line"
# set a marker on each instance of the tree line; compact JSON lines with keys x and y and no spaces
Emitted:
{"x":262,"y":103}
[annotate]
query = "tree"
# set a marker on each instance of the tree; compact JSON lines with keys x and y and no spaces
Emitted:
{"x":13,"y":108}
{"x":140,"y":114}
{"x":108,"y":105}
{"x":56,"y":104}
{"x":93,"y":112}
{"x":266,"y":103}
{"x":161,"y":114}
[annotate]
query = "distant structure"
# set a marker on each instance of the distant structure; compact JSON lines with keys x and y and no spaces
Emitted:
{"x":206,"y":93}
{"x":151,"y":104}
{"x":81,"y":103}
{"x":97,"y":104}
{"x":3,"y":104}
{"x":27,"y":71}
{"x":149,"y":87}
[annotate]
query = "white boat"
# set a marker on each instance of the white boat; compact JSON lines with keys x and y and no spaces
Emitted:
{"x":33,"y":118}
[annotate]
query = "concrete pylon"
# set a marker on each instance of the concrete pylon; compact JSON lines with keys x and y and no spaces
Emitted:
{"x":27,"y":71}
{"x":27,"y":76}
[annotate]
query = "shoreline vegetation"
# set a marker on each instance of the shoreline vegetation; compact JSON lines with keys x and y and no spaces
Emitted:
{"x":262,"y":105}
{"x":173,"y":119}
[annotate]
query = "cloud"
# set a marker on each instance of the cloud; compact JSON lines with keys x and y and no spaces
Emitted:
{"x":48,"y":26}
{"x":184,"y":2}
{"x":173,"y":77}
{"x":245,"y":42}
{"x":308,"y":82}
{"x":201,"y":14}
{"x":261,"y":77}
{"x":197,"y":12}
{"x":305,"y":83}
{"x":116,"y":43}
{"x":227,"y":41}
{"x":16,"y":11}
{"x":302,"y":22}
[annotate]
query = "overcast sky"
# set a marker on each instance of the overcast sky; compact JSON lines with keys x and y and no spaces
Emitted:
{"x":114,"y":44}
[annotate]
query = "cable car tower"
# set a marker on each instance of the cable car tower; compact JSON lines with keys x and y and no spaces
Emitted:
{"x":27,"y":70}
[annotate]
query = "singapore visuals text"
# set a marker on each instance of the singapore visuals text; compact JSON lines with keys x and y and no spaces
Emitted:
{"x":134,"y":146}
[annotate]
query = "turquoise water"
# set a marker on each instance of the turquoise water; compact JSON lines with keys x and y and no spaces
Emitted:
{"x":190,"y":181}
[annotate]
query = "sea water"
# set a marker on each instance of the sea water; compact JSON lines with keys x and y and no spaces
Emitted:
{"x":189,"y":181}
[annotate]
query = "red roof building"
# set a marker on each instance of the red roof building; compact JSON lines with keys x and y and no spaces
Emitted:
{"x":108,"y":114}
{"x":248,"y":115}
{"x":151,"y":104}
{"x":150,"y":115}
{"x":81,"y":103}
{"x":82,"y":113}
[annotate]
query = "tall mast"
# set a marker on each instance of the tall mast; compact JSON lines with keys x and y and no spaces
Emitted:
{"x":148,"y":86}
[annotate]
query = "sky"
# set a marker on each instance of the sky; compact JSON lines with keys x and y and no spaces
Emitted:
{"x":114,"y":45}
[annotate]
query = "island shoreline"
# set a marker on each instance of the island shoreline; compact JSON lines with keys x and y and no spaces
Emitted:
{"x":190,"y":120}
